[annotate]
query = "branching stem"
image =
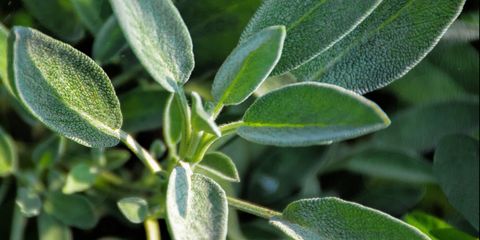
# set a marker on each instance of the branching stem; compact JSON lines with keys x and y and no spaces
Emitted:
{"x":140,"y":152}
{"x":152,"y":229}
{"x":252,"y":208}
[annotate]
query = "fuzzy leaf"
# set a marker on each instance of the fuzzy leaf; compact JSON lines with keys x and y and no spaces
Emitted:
{"x":65,"y":89}
{"x":109,"y":41}
{"x":393,"y":39}
{"x":312,"y":25}
{"x":456,"y":166}
{"x":28,"y":201}
{"x":49,"y":228}
{"x":58,"y":16}
{"x":160,"y":41}
{"x":134,"y":209}
{"x":201,"y":120}
{"x":72,"y":210}
{"x":92,"y":13}
{"x":421,"y":128}
{"x":173,"y":121}
{"x":332,"y":218}
{"x":435,"y":228}
{"x":248,"y":66}
{"x":220,"y":165}
{"x":310,"y":114}
{"x":8,"y":154}
{"x":196,"y":206}
{"x":80,"y":178}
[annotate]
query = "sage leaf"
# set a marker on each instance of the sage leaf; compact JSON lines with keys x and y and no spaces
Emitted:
{"x":157,"y":149}
{"x":248,"y":66}
{"x":72,"y":210}
{"x":109,"y":41}
{"x":48,"y":152}
{"x":160,"y":41}
{"x":134,"y":209}
{"x":220,"y":165}
{"x":456,"y":166}
{"x":143,"y":108}
{"x":332,"y":218}
{"x":393,"y":39}
{"x":65,"y":89}
{"x":392,"y":164}
{"x":275,"y":82}
{"x":435,"y":228}
{"x":303,"y":114}
{"x":8,"y":154}
{"x":28,"y":201}
{"x":50,"y":228}
{"x":422,"y":127}
{"x":173,"y":121}
{"x":312,"y":25}
{"x":80,"y":178}
{"x":465,"y":29}
{"x":116,"y":158}
{"x":58,"y":16}
{"x":196,"y":206}
{"x":201,"y":120}
{"x":92,"y":13}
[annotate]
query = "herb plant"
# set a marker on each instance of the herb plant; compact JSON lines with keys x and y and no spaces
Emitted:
{"x":296,"y":78}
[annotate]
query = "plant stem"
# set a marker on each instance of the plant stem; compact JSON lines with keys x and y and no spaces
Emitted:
{"x":252,"y":208}
{"x":18,"y":224}
{"x":152,"y":229}
{"x":230,"y":128}
{"x":216,"y":110}
{"x":140,"y":152}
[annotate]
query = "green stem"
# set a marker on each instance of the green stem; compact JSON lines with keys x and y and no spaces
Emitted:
{"x":217,"y":110}
{"x":140,"y":152}
{"x":230,"y":128}
{"x":152,"y":229}
{"x":18,"y":224}
{"x":252,"y":208}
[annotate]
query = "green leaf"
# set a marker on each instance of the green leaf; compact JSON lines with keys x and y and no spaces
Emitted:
{"x":116,"y":158}
{"x":157,"y":149}
{"x":65,"y":89}
{"x":3,"y":53}
{"x":134,"y":209}
{"x":58,"y":16}
{"x":80,"y":178}
{"x":72,"y":210}
{"x":309,"y":114}
{"x":435,"y":228}
{"x":393,"y":39}
{"x":312,"y":25}
{"x":173,"y":121}
{"x":274,"y":83}
{"x":392,"y":164}
{"x":109,"y":41}
{"x":248,"y":66}
{"x":143,"y":109}
{"x":456,"y":168}
{"x":465,"y":29}
{"x":201,"y":120}
{"x":196,"y":206}
{"x":92,"y":13}
{"x":49,"y":228}
{"x":420,"y":128}
{"x":332,"y":218}
{"x":48,"y":152}
{"x":8,"y":154}
{"x":220,"y":165}
{"x":160,"y":41}
{"x":28,"y":201}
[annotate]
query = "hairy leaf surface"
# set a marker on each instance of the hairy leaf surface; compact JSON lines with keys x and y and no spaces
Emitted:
{"x":160,"y":41}
{"x":332,"y":218}
{"x":65,"y":89}
{"x":394,"y":38}
{"x":135,"y":209}
{"x":309,"y":114}
{"x":220,"y":165}
{"x":312,"y":25}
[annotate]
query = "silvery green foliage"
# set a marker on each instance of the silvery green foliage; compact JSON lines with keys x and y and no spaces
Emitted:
{"x":28,"y":201}
{"x":135,"y":209}
{"x":64,"y":89}
{"x":72,"y":210}
{"x":92,"y":13}
{"x":332,"y":218}
{"x":456,"y":166}
{"x":220,"y":165}
{"x":393,"y":39}
{"x":49,"y":228}
{"x":248,"y":66}
{"x":80,"y":178}
{"x":312,"y":25}
{"x":159,"y":38}
{"x":201,"y":120}
{"x":109,"y":41}
{"x":196,"y":206}
{"x":303,"y":114}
